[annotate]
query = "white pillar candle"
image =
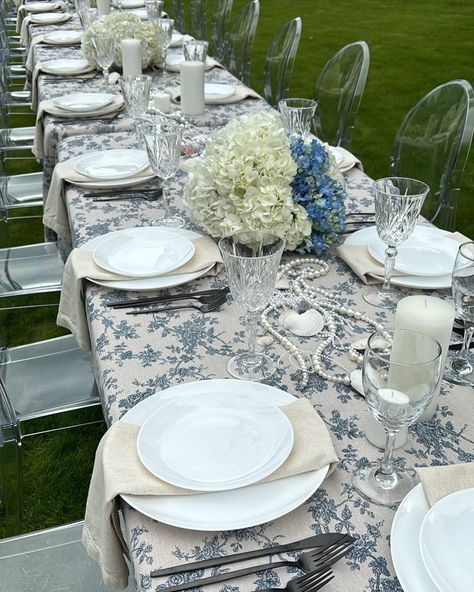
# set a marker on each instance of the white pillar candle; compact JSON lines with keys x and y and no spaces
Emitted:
{"x":103,"y":7}
{"x":431,"y":316}
{"x":131,"y":57}
{"x":162,"y":102}
{"x":192,"y":88}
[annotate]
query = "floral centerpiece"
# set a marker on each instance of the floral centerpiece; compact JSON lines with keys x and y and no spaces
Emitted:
{"x":124,"y":25}
{"x":250,"y":177}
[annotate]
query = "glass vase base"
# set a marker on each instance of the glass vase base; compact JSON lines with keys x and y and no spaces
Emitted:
{"x":253,"y":367}
{"x":381,"y":298}
{"x":169,"y":222}
{"x":380,"y":489}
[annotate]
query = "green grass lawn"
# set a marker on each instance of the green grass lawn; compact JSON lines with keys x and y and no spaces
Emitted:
{"x":415,"y":45}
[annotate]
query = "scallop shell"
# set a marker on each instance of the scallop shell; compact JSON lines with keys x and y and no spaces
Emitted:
{"x":306,"y":324}
{"x":265,"y":340}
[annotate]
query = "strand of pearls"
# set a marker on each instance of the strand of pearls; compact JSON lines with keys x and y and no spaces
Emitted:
{"x":299,"y":272}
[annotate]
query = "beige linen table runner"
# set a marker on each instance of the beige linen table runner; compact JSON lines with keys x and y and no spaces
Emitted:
{"x":87,"y":71}
{"x":118,"y":470}
{"x":80,"y":265}
{"x":107,"y":112}
{"x":241,"y":93}
{"x":365,"y":267}
{"x":440,"y":481}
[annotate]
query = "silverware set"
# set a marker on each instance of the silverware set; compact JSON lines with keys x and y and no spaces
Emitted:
{"x":330,"y":548}
{"x":151,"y":194}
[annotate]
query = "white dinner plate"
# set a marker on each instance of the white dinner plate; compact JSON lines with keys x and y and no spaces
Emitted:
{"x":366,"y":235}
{"x":49,"y":18}
{"x":446,"y":543}
{"x":62,"y":37}
{"x":174,"y":61}
{"x":83,"y":102}
{"x":426,"y":253}
{"x":152,"y":283}
{"x":109,"y":165}
{"x":217,"y":92}
{"x":338,"y":155}
{"x":65,"y":66}
{"x":143,"y":252}
{"x":224,"y":510}
{"x":404,"y":545}
{"x":41,"y":6}
{"x":215,"y":441}
{"x":129,"y":3}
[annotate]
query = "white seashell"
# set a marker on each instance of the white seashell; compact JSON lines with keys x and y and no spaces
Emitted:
{"x":306,"y":324}
{"x":265,"y":340}
{"x":360,"y":344}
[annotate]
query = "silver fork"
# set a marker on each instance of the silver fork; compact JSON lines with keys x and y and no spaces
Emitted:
{"x":209,"y":307}
{"x":207,"y":297}
{"x":310,"y":582}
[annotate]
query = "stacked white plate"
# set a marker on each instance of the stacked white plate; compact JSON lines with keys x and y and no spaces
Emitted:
{"x":219,"y":437}
{"x":50,"y":18}
{"x":432,"y":549}
{"x":62,"y":37}
{"x":426,"y":259}
{"x":214,"y":93}
{"x":66,"y":66}
{"x":74,"y":104}
{"x":36,"y":7}
{"x":174,"y":61}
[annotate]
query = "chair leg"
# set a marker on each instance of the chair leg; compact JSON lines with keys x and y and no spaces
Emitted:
{"x":11,"y":486}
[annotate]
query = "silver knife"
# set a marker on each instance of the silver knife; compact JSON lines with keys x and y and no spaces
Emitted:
{"x":319,"y":540}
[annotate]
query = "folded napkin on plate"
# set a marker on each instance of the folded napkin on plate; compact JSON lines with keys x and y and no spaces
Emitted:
{"x":440,"y":481}
{"x":349,"y":161}
{"x":80,"y":265}
{"x":118,"y":470}
{"x":55,"y":214}
{"x":107,"y":112}
{"x":365,"y":267}
{"x":181,"y":40}
{"x":241,"y":93}
{"x":85,"y":72}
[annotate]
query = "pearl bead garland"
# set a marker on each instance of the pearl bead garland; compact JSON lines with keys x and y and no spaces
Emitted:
{"x":299,"y":272}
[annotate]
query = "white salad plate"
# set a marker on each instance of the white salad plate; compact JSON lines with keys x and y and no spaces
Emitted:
{"x":224,"y":510}
{"x":143,"y":252}
{"x":49,"y":18}
{"x":174,"y":61}
{"x":41,"y":6}
{"x":446,"y":543}
{"x":83,"y":102}
{"x":216,"y":92}
{"x":365,"y":236}
{"x":215,"y":441}
{"x":65,"y":66}
{"x":424,"y":253}
{"x":109,"y":165}
{"x":151,"y":283}
{"x":404,"y":545}
{"x":62,"y":37}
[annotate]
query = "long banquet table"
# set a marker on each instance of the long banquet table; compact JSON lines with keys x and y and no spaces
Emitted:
{"x":135,"y":357}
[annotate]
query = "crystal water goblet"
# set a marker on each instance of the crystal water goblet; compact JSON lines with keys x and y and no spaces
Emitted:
{"x":251,"y":260}
{"x":136,"y":94}
{"x":163,"y":144}
{"x":87,"y":17}
{"x":462,"y":364}
{"x":400,"y":373}
{"x":154,"y":9}
{"x":398,"y":202}
{"x":164,"y":34}
{"x":195,"y":51}
{"x":104,"y":48}
{"x":297,"y":116}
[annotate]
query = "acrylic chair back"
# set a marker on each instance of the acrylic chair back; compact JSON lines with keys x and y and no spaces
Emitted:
{"x":198,"y":19}
{"x":339,"y":89}
{"x":280,"y":60}
{"x":240,"y":41}
{"x":432,"y":145}
{"x":177,"y":10}
{"x":219,"y":22}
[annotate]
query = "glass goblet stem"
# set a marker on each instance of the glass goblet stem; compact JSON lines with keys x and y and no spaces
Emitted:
{"x":251,"y":330}
{"x":461,"y":363}
{"x":105,"y":73}
{"x":390,"y":256}
{"x":386,"y":475}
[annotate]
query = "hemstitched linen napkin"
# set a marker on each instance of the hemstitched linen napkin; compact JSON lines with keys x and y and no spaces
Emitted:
{"x":118,"y":470}
{"x":440,"y":481}
{"x":241,"y":93}
{"x":81,"y":265}
{"x":365,"y":267}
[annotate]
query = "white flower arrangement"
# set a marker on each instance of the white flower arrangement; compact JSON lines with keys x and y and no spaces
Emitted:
{"x":243,"y":182}
{"x":124,"y":25}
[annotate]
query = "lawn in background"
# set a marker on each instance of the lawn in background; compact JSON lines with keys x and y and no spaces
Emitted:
{"x":415,"y":45}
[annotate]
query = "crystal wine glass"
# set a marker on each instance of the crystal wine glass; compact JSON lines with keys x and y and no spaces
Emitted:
{"x":164,"y":33}
{"x":163,"y":144}
{"x":154,"y":9}
{"x":104,"y":48}
{"x":87,"y":16}
{"x":136,"y":94}
{"x":400,"y":373}
{"x":398,"y":202}
{"x":195,"y":51}
{"x":462,"y":365}
{"x":251,"y":260}
{"x":297,"y":116}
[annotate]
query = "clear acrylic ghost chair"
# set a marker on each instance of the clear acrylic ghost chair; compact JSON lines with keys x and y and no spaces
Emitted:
{"x":280,"y":60}
{"x":240,"y":41}
{"x":220,"y":18}
{"x":432,"y":145}
{"x":198,"y":18}
{"x":339,"y":90}
{"x":177,"y":10}
{"x":50,"y":560}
